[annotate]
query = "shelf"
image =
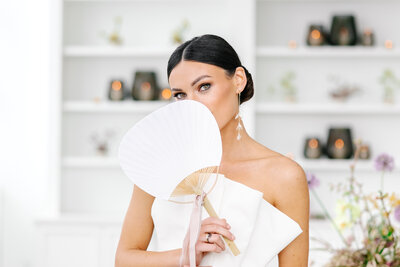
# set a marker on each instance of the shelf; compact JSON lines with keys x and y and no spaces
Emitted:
{"x":327,"y":108}
{"x":90,"y":162}
{"x":117,"y":51}
{"x":324,"y":1}
{"x":325,"y":164}
{"x":322,"y":164}
{"x":141,"y":1}
{"x":81,"y":219}
{"x":126,"y":106}
{"x":327,"y":51}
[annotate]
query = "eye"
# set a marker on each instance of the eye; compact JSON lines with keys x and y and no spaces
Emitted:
{"x":177,"y":95}
{"x":205,"y":85}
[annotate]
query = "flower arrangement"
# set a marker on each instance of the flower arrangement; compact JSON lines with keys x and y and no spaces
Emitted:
{"x":286,"y":86}
{"x":390,"y":83}
{"x":366,"y":223}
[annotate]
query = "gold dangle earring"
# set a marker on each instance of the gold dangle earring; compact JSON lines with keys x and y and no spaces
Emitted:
{"x":239,"y":126}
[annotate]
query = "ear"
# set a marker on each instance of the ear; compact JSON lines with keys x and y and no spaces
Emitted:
{"x":240,"y":79}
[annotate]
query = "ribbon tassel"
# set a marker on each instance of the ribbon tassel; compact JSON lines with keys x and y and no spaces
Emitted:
{"x":192,"y":234}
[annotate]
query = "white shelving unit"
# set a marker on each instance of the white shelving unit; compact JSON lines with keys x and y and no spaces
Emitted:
{"x":89,"y":186}
{"x":284,"y":126}
{"x":83,"y":65}
{"x":86,"y":64}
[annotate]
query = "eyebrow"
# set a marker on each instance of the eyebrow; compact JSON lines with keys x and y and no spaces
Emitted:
{"x":194,"y":82}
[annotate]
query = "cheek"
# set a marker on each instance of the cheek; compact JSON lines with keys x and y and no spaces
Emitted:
{"x":222,"y":105}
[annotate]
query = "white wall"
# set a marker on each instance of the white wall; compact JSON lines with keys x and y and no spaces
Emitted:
{"x":24,"y":111}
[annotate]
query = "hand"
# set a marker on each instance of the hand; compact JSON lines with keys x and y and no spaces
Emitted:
{"x":216,"y":227}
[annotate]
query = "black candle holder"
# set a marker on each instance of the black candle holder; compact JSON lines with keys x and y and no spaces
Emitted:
{"x":116,"y":90}
{"x":340,"y":144}
{"x":312,"y":148}
{"x":343,"y":30}
{"x":145,"y":86}
{"x":316,"y":35}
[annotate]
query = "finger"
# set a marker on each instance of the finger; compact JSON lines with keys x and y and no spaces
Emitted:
{"x":215,"y":228}
{"x":215,"y":220}
{"x":208,"y":247}
{"x":214,"y":238}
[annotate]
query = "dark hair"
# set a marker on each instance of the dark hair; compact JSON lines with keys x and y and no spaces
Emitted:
{"x":212,"y":49}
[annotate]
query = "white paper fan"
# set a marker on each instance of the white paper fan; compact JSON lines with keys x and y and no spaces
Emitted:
{"x":170,"y":152}
{"x":168,"y":145}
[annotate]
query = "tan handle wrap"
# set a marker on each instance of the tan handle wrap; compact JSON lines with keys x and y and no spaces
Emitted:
{"x":209,"y":208}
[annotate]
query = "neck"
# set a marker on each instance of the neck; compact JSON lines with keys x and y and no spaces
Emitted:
{"x":232,"y":149}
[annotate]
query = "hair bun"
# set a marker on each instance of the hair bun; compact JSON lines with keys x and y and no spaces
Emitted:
{"x":248,"y":90}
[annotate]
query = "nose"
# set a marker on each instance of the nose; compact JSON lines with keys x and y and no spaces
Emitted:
{"x":191,"y":96}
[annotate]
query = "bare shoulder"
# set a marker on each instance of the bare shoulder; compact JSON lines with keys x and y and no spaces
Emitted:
{"x":284,"y":174}
{"x":285,"y":183}
{"x":280,"y":177}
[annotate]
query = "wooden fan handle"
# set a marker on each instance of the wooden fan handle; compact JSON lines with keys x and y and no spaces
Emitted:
{"x":209,"y":208}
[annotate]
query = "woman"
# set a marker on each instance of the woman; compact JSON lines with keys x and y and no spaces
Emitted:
{"x":207,"y":69}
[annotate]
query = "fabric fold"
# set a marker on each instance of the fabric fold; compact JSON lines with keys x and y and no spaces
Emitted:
{"x":261,"y":230}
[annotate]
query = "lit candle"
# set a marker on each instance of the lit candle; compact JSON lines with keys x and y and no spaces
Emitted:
{"x":312,"y":149}
{"x":166,"y":94}
{"x":315,"y":35}
{"x":389,"y":44}
{"x":368,"y":37}
{"x":116,"y":92}
{"x":339,"y":151}
{"x":292,"y":44}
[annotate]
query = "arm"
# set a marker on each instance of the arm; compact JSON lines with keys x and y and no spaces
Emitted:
{"x":292,"y":199}
{"x":136,"y":233}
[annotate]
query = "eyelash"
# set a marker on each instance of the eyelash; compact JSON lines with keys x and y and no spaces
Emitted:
{"x":201,"y":85}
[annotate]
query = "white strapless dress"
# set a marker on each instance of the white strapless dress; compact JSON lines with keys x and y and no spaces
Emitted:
{"x":261,"y":230}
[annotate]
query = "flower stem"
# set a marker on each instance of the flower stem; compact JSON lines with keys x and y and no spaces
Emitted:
{"x":329,"y":217}
{"x":383,"y":173}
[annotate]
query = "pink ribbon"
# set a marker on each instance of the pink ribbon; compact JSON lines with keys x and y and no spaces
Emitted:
{"x":192,"y":235}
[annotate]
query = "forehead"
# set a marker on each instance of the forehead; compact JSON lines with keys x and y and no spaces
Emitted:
{"x":187,"y":71}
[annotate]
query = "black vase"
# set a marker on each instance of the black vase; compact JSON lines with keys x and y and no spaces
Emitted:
{"x":340,"y":143}
{"x":145,"y":86}
{"x":343,"y":30}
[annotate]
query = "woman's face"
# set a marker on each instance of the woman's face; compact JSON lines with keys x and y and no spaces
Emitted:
{"x":209,"y":85}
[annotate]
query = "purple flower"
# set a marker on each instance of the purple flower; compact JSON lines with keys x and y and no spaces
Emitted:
{"x":313,"y":182}
{"x":384,"y":162}
{"x":397,"y":213}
